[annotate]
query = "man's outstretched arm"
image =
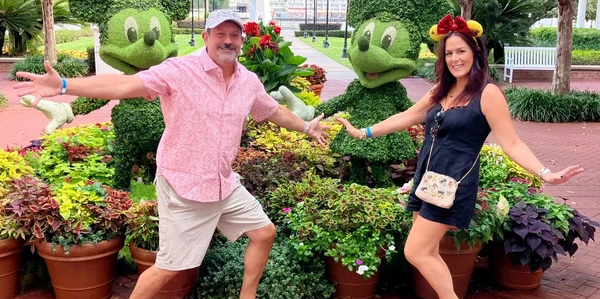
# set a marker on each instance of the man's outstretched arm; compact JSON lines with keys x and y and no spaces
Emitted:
{"x":110,"y":86}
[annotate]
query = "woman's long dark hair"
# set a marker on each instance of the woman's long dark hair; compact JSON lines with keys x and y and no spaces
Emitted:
{"x":478,"y":76}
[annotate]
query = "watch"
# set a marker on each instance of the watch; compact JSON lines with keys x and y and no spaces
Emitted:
{"x":543,"y":172}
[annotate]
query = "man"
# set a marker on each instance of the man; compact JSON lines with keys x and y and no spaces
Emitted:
{"x":205,"y":99}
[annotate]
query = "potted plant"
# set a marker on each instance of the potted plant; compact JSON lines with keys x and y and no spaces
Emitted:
{"x":565,"y":226}
{"x":317,"y":79}
{"x":266,"y":53}
{"x":352,"y":226}
{"x":12,"y":232}
{"x":142,"y":229}
{"x":75,"y":228}
{"x":530,"y":243}
{"x":460,"y":247}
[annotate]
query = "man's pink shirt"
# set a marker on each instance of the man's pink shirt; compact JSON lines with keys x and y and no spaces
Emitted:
{"x":204,"y":119}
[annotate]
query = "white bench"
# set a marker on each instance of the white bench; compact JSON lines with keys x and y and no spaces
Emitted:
{"x":527,"y":58}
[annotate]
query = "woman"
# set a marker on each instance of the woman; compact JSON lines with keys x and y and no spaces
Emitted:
{"x":459,"y":113}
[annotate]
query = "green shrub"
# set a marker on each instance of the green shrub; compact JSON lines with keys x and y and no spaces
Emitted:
{"x":585,"y":57}
{"x":67,"y":66}
{"x":261,"y":172}
{"x":67,"y":36}
{"x":541,"y":106}
{"x":330,"y":33}
{"x":309,"y":98}
{"x":320,"y":26}
{"x":222,"y":271}
{"x":188,"y":24}
{"x":3,"y":101}
{"x":426,"y":69}
{"x":83,"y":105}
{"x":583,"y":38}
{"x":284,"y":198}
{"x":91,"y":59}
{"x":78,"y":154}
{"x":187,"y":30}
{"x":497,"y":169}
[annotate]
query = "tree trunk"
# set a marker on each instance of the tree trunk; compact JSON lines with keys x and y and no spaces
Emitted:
{"x":49,"y":40}
{"x":561,"y":83}
{"x":466,"y":7}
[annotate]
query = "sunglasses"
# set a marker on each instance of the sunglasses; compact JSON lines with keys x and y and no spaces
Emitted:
{"x":437,"y":120}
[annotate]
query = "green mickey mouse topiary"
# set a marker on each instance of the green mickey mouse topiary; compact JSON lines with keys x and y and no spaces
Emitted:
{"x":383,"y":50}
{"x":134,"y":35}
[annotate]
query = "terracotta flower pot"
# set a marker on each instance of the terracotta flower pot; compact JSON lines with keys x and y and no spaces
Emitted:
{"x":349,"y":284}
{"x":10,"y":266}
{"x":178,"y":288}
{"x":317,"y":89}
{"x":87,"y":272}
{"x":510,"y":276}
{"x":461,"y":264}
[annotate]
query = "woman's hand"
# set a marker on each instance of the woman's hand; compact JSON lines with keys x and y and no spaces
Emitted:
{"x":351,"y":130}
{"x":562,"y":176}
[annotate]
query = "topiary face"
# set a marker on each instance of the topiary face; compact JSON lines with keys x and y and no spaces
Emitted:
{"x":137,"y":40}
{"x":383,"y":51}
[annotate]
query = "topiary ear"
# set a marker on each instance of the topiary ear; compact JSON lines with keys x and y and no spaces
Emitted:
{"x":91,"y":11}
{"x":176,"y":10}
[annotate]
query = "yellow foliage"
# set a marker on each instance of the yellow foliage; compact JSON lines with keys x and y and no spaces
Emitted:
{"x":12,"y":166}
{"x":76,"y":54}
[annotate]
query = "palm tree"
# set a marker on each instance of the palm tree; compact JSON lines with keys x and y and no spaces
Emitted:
{"x":21,"y":19}
{"x":506,"y":22}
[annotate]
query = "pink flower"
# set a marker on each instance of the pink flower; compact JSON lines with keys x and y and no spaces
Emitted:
{"x":359,"y":262}
{"x":286,"y":210}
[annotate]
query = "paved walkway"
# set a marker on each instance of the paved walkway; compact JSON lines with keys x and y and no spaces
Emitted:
{"x":556,"y":145}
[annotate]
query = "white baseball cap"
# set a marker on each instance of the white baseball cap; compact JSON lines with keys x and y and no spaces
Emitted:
{"x":219,"y":16}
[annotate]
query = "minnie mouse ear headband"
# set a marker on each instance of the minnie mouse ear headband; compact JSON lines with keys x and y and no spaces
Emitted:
{"x":447,"y":25}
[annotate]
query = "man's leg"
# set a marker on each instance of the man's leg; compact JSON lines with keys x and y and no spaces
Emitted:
{"x":257,"y":254}
{"x":151,"y":281}
{"x":242,"y":214}
{"x":185,"y":231}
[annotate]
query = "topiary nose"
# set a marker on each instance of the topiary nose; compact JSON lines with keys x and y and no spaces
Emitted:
{"x":363,"y":44}
{"x":149,"y":38}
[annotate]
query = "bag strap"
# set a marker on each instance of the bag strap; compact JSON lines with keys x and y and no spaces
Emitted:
{"x":466,"y":174}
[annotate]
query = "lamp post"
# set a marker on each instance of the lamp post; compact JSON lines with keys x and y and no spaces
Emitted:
{"x":305,"y":18}
{"x":326,"y":41}
{"x":314,"y":39}
{"x":345,"y":51}
{"x":192,"y":42}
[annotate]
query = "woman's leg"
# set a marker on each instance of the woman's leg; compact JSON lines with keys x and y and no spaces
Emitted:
{"x":422,"y":251}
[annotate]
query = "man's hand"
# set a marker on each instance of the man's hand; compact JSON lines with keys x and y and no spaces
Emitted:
{"x":317,"y":131}
{"x":40,"y":86}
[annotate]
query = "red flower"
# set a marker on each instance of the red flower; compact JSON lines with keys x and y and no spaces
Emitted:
{"x":272,"y":23}
{"x":277,"y":30}
{"x":251,"y":29}
{"x":264,"y":41}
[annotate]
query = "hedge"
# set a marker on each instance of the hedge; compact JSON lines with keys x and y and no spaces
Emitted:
{"x":188,"y":24}
{"x":186,"y":30}
{"x":583,"y":38}
{"x":321,"y":26}
{"x":585,"y":57}
{"x":542,"y":106}
{"x":330,"y":33}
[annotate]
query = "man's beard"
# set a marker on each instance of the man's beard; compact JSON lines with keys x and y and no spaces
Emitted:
{"x":227,"y":56}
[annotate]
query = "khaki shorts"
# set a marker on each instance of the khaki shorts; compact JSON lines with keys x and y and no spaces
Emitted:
{"x":186,"y":227}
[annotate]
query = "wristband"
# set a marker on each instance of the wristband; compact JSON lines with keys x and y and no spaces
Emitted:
{"x":64,"y":86}
{"x":369,"y":135}
{"x":306,"y":127}
{"x":363,"y":133}
{"x":543,"y":172}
